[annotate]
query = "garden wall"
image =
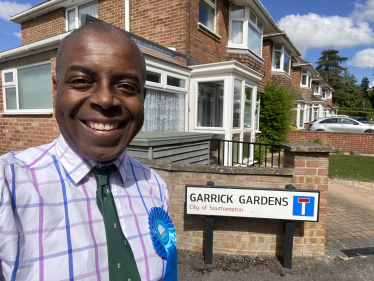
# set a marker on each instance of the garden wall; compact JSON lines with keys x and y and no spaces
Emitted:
{"x":306,"y":168}
{"x":346,"y":142}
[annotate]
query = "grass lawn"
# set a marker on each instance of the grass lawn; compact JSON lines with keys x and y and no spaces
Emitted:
{"x":350,"y":166}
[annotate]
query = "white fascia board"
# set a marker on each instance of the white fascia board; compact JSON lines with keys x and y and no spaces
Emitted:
{"x":32,"y":48}
{"x":166,"y":66}
{"x":226,"y":67}
{"x":36,"y":11}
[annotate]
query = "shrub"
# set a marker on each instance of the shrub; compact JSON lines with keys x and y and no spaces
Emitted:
{"x":276,"y":111}
{"x":356,"y":113}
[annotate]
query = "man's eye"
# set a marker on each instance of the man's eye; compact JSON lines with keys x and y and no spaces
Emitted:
{"x":127,"y":87}
{"x":80,"y":81}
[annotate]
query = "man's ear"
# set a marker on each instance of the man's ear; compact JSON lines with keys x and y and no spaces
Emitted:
{"x":144,"y":94}
{"x":54,"y":90}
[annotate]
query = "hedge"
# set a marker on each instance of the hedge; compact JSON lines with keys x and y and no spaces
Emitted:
{"x":356,"y":113}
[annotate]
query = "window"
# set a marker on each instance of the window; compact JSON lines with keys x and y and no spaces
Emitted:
{"x":237,"y":104}
{"x":73,"y":14}
{"x":281,"y":58}
{"x":306,"y":79}
{"x":346,"y":121}
{"x":207,"y":14}
{"x":153,"y":77}
{"x":22,"y":94}
{"x":248,"y":107}
{"x":330,"y":120}
{"x":164,"y":111}
{"x":257,"y":113}
{"x":210,"y":104}
{"x":246,"y":29}
{"x":317,"y":88}
{"x":324,"y":94}
{"x":316,"y":112}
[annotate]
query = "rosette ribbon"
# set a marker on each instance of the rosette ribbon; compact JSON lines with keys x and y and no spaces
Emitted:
{"x":164,"y":240}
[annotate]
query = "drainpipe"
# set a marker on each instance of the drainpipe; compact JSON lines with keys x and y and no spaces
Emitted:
{"x":127,"y":15}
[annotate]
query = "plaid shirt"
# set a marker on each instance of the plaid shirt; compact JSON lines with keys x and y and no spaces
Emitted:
{"x":50,"y":225}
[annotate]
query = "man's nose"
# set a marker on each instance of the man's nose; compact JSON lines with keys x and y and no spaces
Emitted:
{"x":104,"y":96}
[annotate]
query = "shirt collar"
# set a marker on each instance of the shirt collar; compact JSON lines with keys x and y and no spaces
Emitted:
{"x":77,"y":166}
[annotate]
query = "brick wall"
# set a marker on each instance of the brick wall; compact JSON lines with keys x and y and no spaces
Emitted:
{"x":296,"y":78}
{"x":245,"y":236}
{"x":43,"y":26}
{"x":346,"y":142}
{"x":113,"y":12}
{"x":18,"y":132}
{"x":267,"y":47}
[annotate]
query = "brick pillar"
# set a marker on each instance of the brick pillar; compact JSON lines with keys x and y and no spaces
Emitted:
{"x":310,"y":162}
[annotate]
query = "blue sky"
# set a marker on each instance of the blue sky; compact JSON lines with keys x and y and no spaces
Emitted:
{"x":345,"y":25}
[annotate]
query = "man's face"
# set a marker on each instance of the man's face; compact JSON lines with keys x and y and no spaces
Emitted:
{"x":98,"y":95}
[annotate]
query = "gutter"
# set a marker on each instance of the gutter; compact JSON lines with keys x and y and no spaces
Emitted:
{"x":28,"y":48}
{"x":35,"y":9}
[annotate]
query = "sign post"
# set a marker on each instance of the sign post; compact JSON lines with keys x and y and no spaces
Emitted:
{"x":282,"y":204}
{"x":208,"y":251}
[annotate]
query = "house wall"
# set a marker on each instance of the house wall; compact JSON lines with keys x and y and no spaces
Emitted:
{"x":113,"y":12}
{"x":296,"y":78}
{"x":43,"y":26}
{"x":345,"y":142}
{"x":18,"y":132}
{"x":306,"y":94}
{"x":246,"y":236}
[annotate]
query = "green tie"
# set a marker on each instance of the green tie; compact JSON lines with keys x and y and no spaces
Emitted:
{"x":122,"y":265}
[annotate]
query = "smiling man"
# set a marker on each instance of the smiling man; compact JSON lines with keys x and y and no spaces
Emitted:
{"x":78,"y":208}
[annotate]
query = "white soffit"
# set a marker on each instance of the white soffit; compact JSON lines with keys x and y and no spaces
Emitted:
{"x":225,"y":68}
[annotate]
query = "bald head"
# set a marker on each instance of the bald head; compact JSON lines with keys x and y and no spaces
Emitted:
{"x":101,"y":28}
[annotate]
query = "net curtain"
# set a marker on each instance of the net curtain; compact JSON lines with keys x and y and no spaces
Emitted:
{"x":163,"y":111}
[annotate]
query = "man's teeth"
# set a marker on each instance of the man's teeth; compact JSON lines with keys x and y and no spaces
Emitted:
{"x":103,"y":127}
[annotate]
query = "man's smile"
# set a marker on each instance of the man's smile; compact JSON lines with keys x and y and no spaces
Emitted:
{"x":105,"y":126}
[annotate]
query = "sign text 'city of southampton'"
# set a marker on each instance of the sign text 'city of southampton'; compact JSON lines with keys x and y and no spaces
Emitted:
{"x":283,"y":204}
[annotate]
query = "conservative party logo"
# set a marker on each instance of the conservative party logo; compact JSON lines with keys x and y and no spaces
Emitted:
{"x":303,"y":206}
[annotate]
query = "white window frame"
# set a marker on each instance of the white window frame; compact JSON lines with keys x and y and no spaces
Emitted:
{"x":308,"y":79}
{"x":214,"y":6}
{"x":245,"y":22}
{"x":14,"y":84}
{"x":284,"y":52}
{"x":317,"y":85}
{"x":324,"y":94}
{"x":75,"y":7}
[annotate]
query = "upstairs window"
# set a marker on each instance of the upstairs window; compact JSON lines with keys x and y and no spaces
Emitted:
{"x":324,"y":94}
{"x":317,"y":88}
{"x":73,"y":14}
{"x":306,"y":79}
{"x":20,"y":92}
{"x":207,"y":14}
{"x":245,"y":29}
{"x":281,"y":58}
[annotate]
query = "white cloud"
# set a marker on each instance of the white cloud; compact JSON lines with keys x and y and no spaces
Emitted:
{"x":372,"y":84}
{"x":316,"y":31}
{"x":8,"y":9}
{"x":363,"y":59}
{"x":363,"y":12}
{"x":18,"y":34}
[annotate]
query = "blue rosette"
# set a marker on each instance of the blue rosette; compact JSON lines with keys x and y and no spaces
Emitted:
{"x":164,"y":240}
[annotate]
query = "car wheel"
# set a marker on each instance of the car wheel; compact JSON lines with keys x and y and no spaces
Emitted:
{"x":319,"y":130}
{"x":370,"y":131}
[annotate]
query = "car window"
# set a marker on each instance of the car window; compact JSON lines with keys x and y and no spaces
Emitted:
{"x":330,"y":120}
{"x":346,"y":121}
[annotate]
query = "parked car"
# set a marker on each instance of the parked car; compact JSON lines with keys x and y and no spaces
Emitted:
{"x":340,"y":124}
{"x":361,"y":119}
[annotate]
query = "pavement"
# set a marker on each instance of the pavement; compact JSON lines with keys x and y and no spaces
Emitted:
{"x":350,"y":219}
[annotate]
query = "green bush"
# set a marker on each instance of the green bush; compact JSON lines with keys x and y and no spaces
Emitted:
{"x":276,"y":111}
{"x":356,"y":113}
{"x":356,"y":109}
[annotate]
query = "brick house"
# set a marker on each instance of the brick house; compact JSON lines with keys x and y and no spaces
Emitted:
{"x":207,"y":62}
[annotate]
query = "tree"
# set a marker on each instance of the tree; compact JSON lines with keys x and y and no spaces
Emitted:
{"x":276,"y":111}
{"x":330,"y":70}
{"x":350,"y":93}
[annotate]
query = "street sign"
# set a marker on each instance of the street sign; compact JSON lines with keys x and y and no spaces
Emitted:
{"x":283,"y":204}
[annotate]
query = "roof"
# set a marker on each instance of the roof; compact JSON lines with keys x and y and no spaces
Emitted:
{"x":282,"y":34}
{"x":300,"y":98}
{"x":299,"y":62}
{"x":316,"y":98}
